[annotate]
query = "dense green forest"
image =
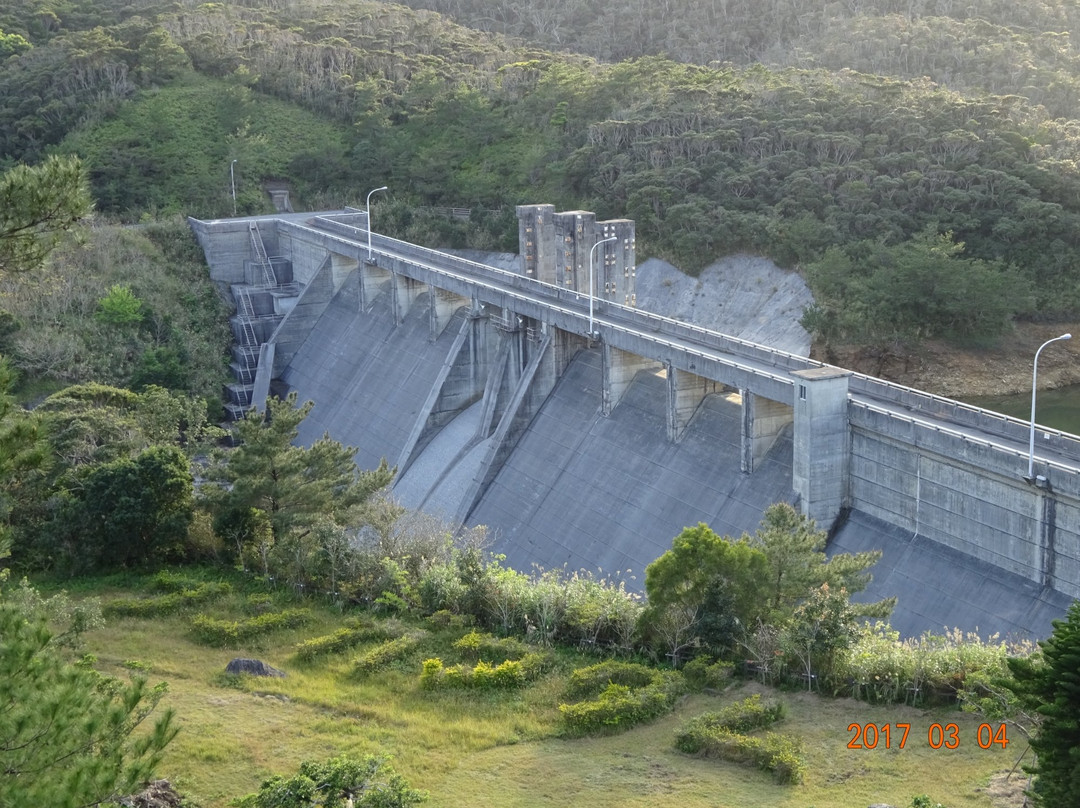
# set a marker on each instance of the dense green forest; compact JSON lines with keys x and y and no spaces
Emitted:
{"x":838,"y":138}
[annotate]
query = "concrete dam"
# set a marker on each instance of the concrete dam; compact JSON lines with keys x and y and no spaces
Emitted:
{"x":586,"y":433}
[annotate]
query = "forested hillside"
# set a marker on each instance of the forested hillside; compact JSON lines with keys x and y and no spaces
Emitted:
{"x":994,"y":46}
{"x":907,"y":158}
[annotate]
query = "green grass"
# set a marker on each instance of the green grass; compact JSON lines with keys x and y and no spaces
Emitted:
{"x":504,"y":748}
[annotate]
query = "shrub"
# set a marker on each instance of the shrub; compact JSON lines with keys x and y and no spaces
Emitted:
{"x":743,"y":716}
{"x":385,"y":653}
{"x":702,"y":673}
{"x":590,"y":681}
{"x":219,"y":633}
{"x":880,"y":668}
{"x":344,"y":638}
{"x":772,"y":752}
{"x":166,"y":581}
{"x":166,"y":604}
{"x":619,"y":707}
{"x":475,"y":646}
{"x":431,"y":671}
{"x":120,"y":306}
{"x":258,"y":602}
{"x":485,"y":676}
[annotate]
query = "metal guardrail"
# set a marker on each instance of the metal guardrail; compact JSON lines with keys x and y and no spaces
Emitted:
{"x":257,"y":246}
{"x":636,"y":321}
{"x":944,"y":429}
{"x":783,"y":362}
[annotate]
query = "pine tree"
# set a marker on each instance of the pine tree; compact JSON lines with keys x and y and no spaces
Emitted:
{"x":37,"y":205}
{"x":292,"y":485}
{"x":68,"y":734}
{"x":798,"y":566}
{"x":1050,"y":684}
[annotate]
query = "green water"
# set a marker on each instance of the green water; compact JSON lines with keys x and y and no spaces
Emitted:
{"x":1057,"y":409}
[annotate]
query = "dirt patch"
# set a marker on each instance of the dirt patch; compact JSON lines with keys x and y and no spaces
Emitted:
{"x":1007,"y":791}
{"x":954,"y":372}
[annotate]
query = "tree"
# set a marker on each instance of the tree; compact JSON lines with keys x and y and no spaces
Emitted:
{"x":704,"y":589}
{"x":22,"y":452}
{"x":292,"y":485}
{"x":120,"y":306}
{"x":337,"y":783}
{"x":137,"y":510}
{"x":822,"y":625}
{"x":122,"y":446}
{"x":1048,"y":684}
{"x":797,"y":564}
{"x":38,"y":204}
{"x":68,"y":734}
{"x":12,"y":45}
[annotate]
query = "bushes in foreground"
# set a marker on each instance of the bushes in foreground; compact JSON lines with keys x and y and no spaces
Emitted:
{"x":879,"y":667}
{"x":222,"y":633}
{"x":169,"y":603}
{"x":510,"y":674}
{"x":720,"y":735}
{"x":743,"y":716}
{"x":387,"y":652}
{"x":591,"y":681}
{"x":772,"y":752}
{"x":617,"y":696}
{"x":357,"y":632}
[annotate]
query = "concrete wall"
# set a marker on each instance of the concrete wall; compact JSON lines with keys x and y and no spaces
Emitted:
{"x":764,"y":421}
{"x":226,"y":245}
{"x":686,"y":391}
{"x":967,"y":495}
{"x":315,"y":296}
{"x":821,"y":454}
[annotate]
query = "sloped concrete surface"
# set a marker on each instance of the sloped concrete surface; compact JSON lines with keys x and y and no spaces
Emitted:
{"x":609,"y":494}
{"x":367,"y":378}
{"x":439,"y":467}
{"x":940,"y":589}
{"x":584,"y":491}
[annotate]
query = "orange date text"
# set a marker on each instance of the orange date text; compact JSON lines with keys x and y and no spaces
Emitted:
{"x":938,"y":736}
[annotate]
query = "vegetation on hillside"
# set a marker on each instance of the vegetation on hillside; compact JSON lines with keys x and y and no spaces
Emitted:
{"x":119,"y":306}
{"x":859,"y":167}
{"x":987,"y":46}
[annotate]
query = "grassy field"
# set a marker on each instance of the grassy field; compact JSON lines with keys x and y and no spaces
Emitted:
{"x":505,"y":749}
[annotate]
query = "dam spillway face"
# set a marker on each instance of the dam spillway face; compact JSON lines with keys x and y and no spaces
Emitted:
{"x":586,"y":434}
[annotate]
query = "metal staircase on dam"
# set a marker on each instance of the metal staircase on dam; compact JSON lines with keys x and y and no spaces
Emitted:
{"x":260,"y":302}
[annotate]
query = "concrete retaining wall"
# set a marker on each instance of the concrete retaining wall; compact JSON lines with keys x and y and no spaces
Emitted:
{"x":967,"y":495}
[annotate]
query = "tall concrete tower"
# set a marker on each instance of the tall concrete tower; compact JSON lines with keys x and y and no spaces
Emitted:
{"x":556,"y":249}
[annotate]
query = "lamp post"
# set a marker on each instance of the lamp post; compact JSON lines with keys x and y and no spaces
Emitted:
{"x":592,"y":255}
{"x":1034,"y":380}
{"x":232,"y":182}
{"x":367,"y":205}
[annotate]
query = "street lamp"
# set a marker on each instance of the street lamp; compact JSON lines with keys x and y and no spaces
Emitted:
{"x":232,"y":182}
{"x":592,"y":255}
{"x":1034,"y":380}
{"x":367,"y":205}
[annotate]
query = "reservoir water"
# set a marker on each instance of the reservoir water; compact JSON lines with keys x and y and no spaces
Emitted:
{"x":1057,"y":409}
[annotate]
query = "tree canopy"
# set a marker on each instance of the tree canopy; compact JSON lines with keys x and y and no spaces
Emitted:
{"x":69,"y":737}
{"x":37,"y":205}
{"x":1047,"y":684}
